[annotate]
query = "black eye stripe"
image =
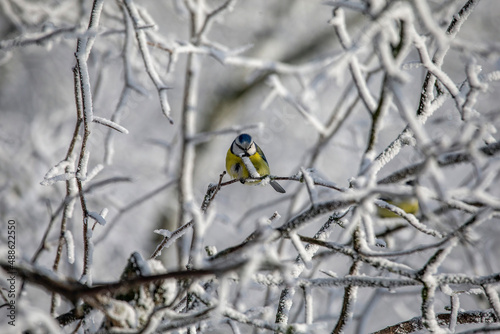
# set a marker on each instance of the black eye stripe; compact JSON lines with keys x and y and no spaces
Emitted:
{"x":244,"y":150}
{"x":240,"y":147}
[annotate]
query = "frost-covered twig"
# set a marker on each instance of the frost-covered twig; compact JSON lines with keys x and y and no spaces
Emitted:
{"x":84,"y":46}
{"x":435,"y":71}
{"x":359,"y":281}
{"x":286,"y":297}
{"x":188,"y":124}
{"x":36,"y":38}
{"x":146,"y":57}
{"x":384,"y":282}
{"x":309,"y":181}
{"x":63,"y":207}
{"x":445,"y":159}
{"x":110,"y":124}
{"x":380,"y":263}
{"x":261,"y":65}
{"x":454,"y":306}
{"x":282,"y":91}
{"x":70,"y":199}
{"x":184,"y":321}
{"x":206,"y":136}
{"x":339,"y":116}
{"x":476,"y":86}
{"x":130,"y":85}
{"x":73,"y":291}
{"x":316,"y":210}
{"x":200,"y":31}
{"x":171,"y":237}
{"x":409,"y":218}
{"x":308,"y":304}
{"x":430,"y":287}
{"x":74,"y":315}
{"x":380,"y":259}
{"x":354,"y":67}
{"x":493,"y":298}
{"x":425,"y":109}
{"x":430,"y":80}
{"x":379,"y":112}
{"x":130,"y":206}
{"x":468,"y":317}
{"x":211,"y":192}
{"x":428,"y":272}
{"x":350,"y":294}
{"x":246,"y":243}
{"x":345,"y":200}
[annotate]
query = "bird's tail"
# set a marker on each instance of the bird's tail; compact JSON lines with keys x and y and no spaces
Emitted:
{"x":277,"y":187}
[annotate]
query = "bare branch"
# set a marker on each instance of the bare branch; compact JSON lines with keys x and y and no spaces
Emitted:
{"x":416,"y":324}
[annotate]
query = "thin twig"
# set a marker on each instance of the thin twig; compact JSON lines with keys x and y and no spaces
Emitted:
{"x":146,"y":57}
{"x":469,"y":317}
{"x":84,"y":46}
{"x":350,"y":293}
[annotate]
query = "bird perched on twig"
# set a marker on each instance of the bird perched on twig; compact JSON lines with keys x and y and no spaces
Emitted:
{"x":245,"y":159}
{"x":408,"y":204}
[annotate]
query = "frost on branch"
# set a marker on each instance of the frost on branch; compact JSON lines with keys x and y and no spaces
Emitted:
{"x":359,"y":105}
{"x":142,"y":300}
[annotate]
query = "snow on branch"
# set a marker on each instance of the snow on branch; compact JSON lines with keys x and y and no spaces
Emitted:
{"x":383,"y":93}
{"x":409,"y":218}
{"x":36,"y":38}
{"x":148,"y":61}
{"x":110,"y":124}
{"x":467,"y":317}
{"x":282,"y":92}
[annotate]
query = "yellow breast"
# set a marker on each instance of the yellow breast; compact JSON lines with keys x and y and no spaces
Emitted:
{"x":237,"y":170}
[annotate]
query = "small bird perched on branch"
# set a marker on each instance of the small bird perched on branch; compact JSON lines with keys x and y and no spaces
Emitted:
{"x":408,"y":204}
{"x":245,"y":159}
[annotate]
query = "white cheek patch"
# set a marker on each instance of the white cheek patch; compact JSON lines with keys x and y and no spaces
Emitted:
{"x":252,"y":150}
{"x":250,"y":167}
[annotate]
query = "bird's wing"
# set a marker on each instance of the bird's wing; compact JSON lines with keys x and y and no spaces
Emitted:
{"x":261,"y":153}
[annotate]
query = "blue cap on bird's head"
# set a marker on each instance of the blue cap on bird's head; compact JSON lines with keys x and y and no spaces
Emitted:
{"x":244,"y":140}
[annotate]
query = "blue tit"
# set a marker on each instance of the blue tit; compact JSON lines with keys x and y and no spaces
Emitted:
{"x":245,"y":159}
{"x":408,"y":204}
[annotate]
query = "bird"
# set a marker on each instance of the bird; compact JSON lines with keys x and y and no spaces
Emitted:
{"x":408,"y":204}
{"x":245,"y":159}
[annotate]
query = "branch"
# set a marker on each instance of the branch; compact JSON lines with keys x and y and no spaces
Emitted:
{"x":350,"y":293}
{"x":179,"y":232}
{"x":74,"y":291}
{"x":416,"y":324}
{"x":140,"y":35}
{"x":411,"y":219}
{"x":444,"y":160}
{"x":84,"y":46}
{"x":286,"y":297}
{"x":37,"y":39}
{"x":132,"y":205}
{"x":425,"y":109}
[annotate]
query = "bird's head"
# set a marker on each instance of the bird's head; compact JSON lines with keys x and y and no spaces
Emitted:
{"x":243,"y":145}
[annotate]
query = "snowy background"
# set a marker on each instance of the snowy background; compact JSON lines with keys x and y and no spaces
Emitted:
{"x":277,"y":70}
